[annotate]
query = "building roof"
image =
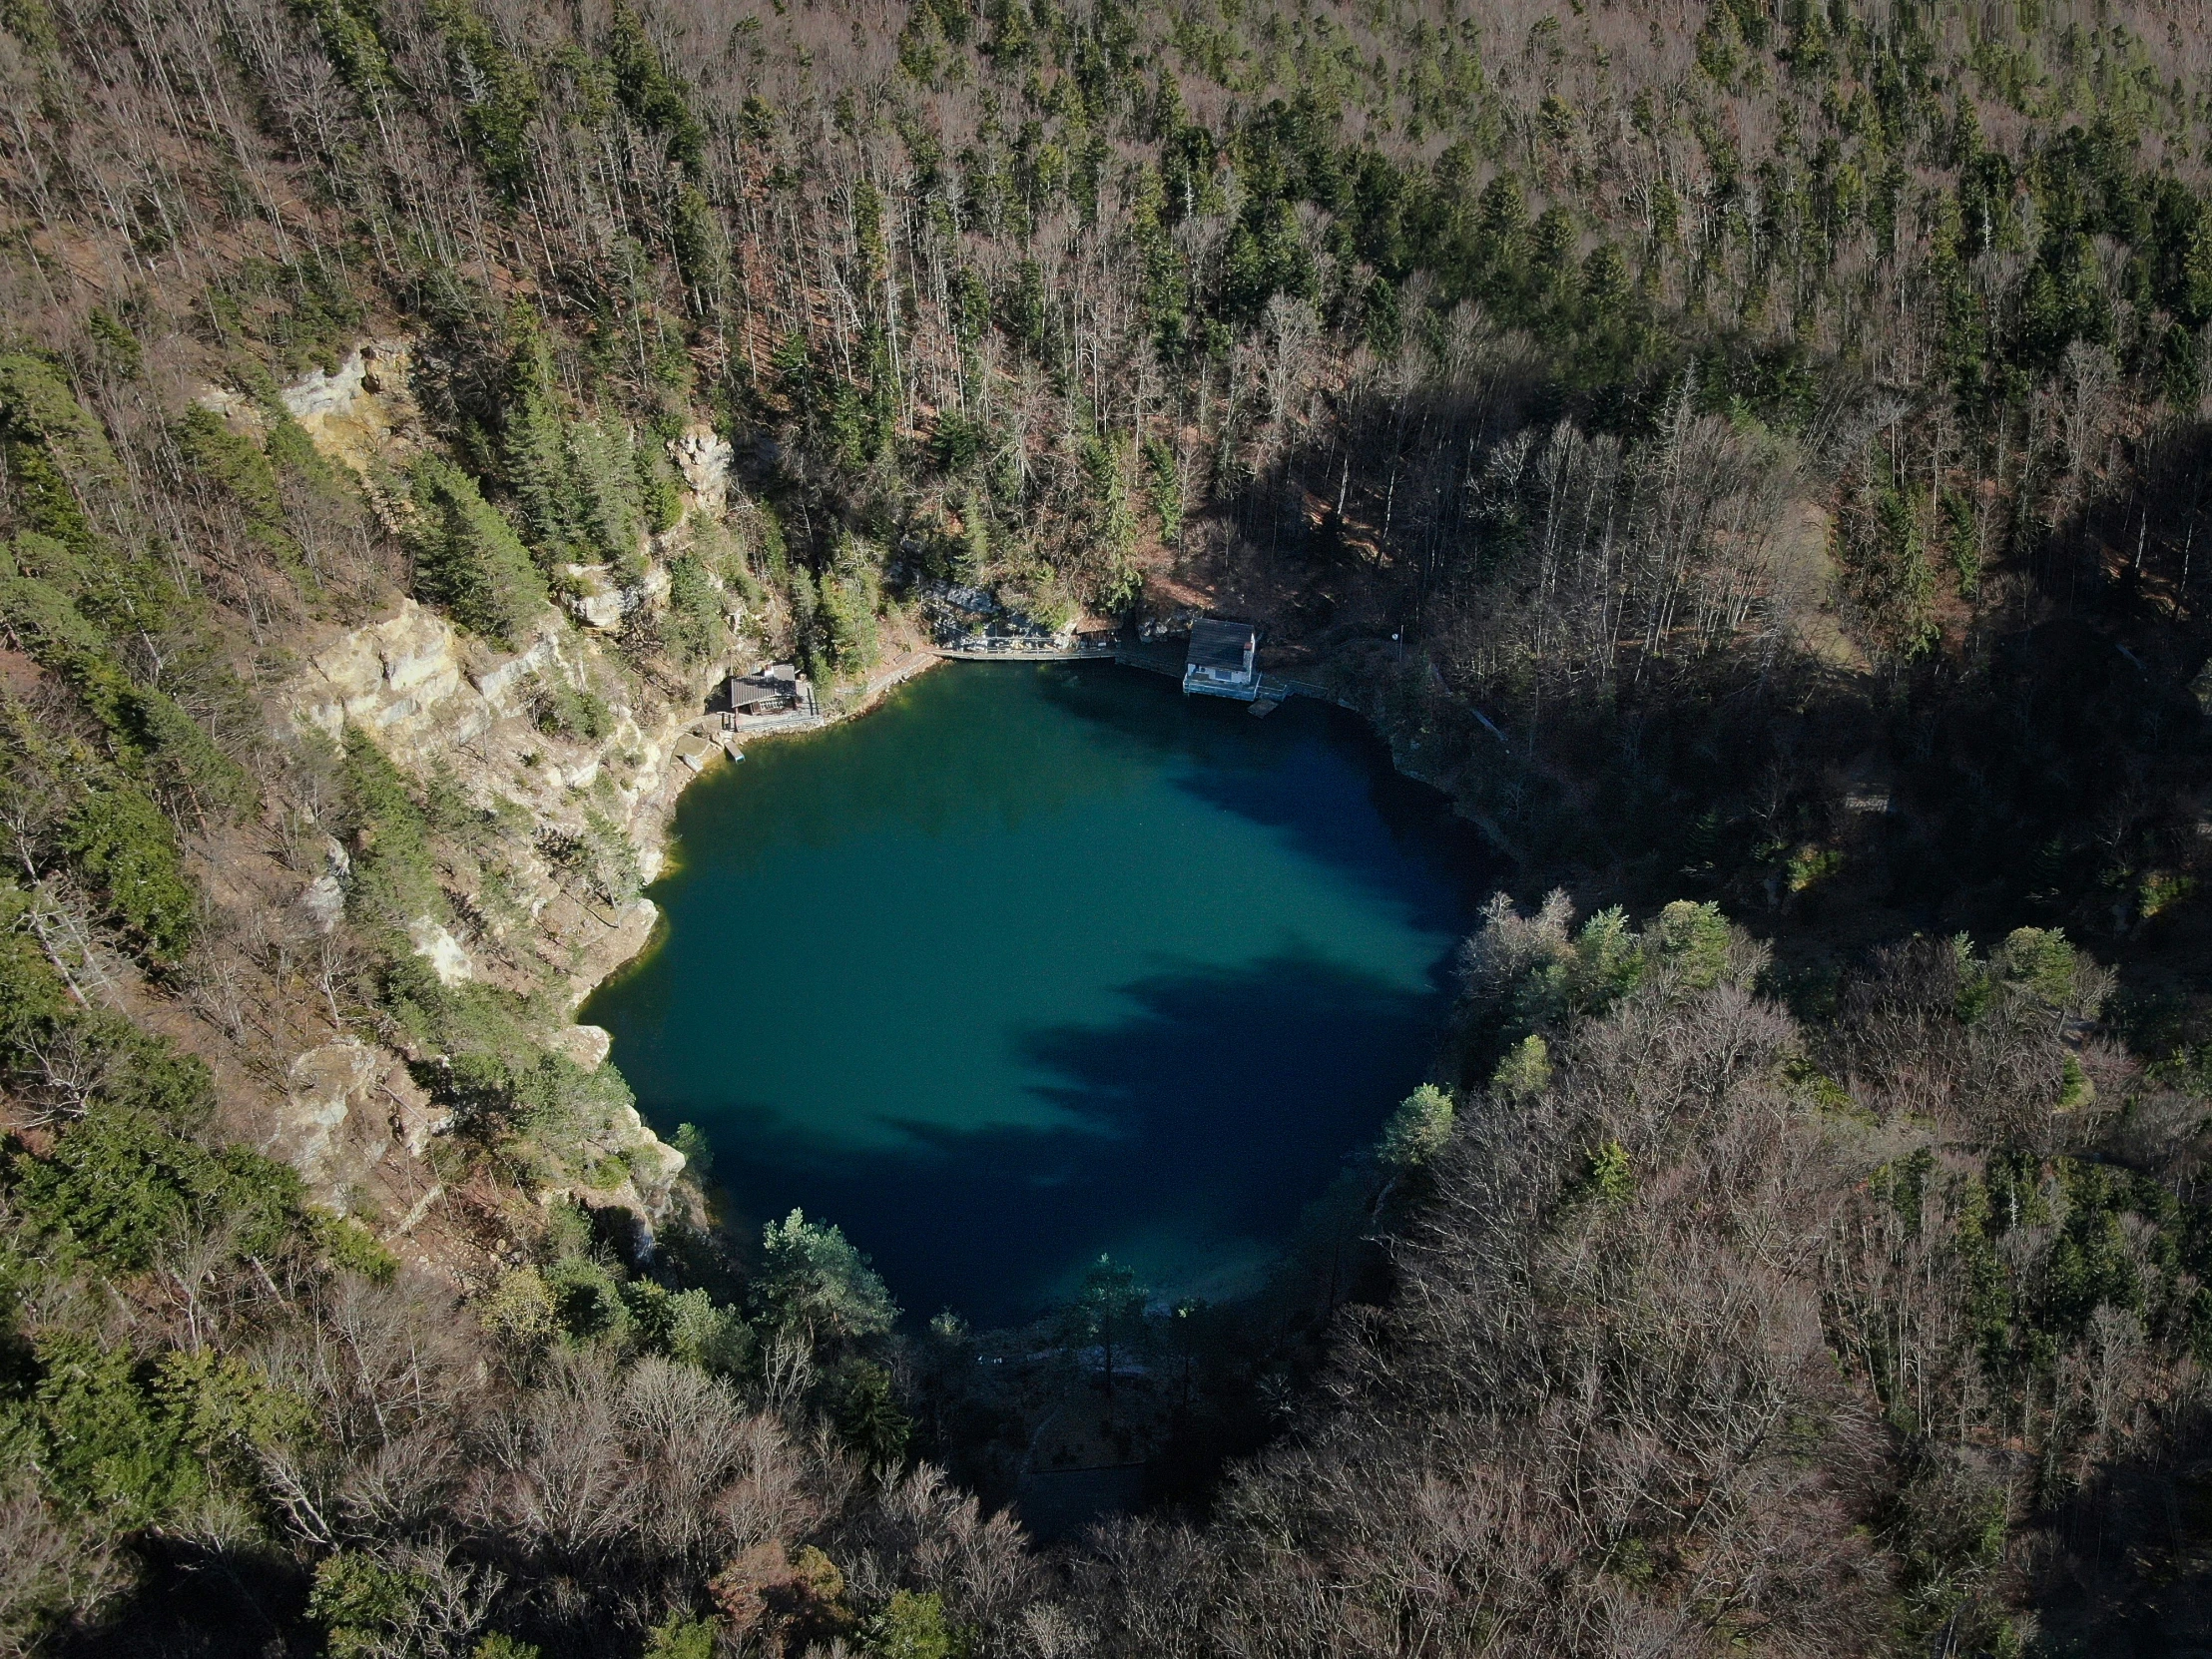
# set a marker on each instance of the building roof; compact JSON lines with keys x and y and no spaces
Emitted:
{"x":747,"y":691}
{"x":1216,"y":643}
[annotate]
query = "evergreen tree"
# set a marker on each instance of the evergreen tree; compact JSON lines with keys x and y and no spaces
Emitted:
{"x":469,"y":559}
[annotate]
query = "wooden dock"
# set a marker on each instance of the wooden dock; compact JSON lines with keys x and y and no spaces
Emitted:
{"x":1163,"y":656}
{"x":985,"y":648}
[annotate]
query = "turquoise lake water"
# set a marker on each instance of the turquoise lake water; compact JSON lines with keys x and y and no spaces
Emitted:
{"x":1040,"y":961}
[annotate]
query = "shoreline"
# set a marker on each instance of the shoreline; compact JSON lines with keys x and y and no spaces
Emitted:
{"x":635,"y":934}
{"x":669,"y":1011}
{"x":601,"y":969}
{"x":870,"y":695}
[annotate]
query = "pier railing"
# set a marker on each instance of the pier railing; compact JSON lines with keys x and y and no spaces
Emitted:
{"x":1157,"y":656}
{"x":993,"y":646}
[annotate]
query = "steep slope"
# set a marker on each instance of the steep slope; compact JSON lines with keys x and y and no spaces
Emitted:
{"x":1753,"y":453}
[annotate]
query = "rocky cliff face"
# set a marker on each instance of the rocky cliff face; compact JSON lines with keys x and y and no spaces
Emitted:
{"x":443,"y":706}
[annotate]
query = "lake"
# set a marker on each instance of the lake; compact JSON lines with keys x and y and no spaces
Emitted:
{"x":1040,"y":961}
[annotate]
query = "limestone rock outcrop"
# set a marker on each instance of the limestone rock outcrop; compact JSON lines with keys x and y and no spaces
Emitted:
{"x":347,"y":1107}
{"x":447,"y":959}
{"x":364,"y":415}
{"x":704,"y":457}
{"x":586,"y":1045}
{"x":500,"y":726}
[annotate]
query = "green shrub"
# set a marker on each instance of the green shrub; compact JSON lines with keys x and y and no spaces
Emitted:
{"x":868,"y":1417}
{"x":240,"y":469}
{"x":1608,"y":1177}
{"x":521,"y":1309}
{"x":587,"y":1299}
{"x":681,"y":1638}
{"x":698,"y":1150}
{"x":126,"y":850}
{"x":606,"y":477}
{"x":1417,"y":1130}
{"x":364,"y":1607}
{"x":348,"y":1247}
{"x":692,"y":629}
{"x":105,"y":1444}
{"x":659,"y":491}
{"x":561,"y":710}
{"x":395,"y":878}
{"x":1525,"y":1072}
{"x":701,"y":1331}
{"x":118,"y":1185}
{"x":33,"y":998}
{"x":913,"y":1627}
{"x":601,"y":857}
{"x":1692,"y":941}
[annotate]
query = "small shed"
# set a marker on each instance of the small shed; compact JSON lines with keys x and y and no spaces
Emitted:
{"x":1223,"y":659}
{"x":767,"y":691}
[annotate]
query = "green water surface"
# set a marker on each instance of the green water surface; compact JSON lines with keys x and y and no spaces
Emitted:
{"x":1043,"y":960}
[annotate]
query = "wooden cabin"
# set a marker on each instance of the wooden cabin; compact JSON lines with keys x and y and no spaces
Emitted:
{"x":778,"y":688}
{"x":1223,"y":660}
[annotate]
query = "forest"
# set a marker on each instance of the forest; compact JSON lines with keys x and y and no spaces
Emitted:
{"x":1719,"y":446}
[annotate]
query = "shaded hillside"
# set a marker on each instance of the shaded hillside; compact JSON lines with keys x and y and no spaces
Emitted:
{"x":1751,"y":454}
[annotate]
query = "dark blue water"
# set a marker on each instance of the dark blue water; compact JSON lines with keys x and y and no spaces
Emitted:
{"x":1036,"y":963}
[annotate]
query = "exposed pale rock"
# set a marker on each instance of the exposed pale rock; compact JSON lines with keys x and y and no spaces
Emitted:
{"x":392,"y":678}
{"x":363,"y":412}
{"x":320,"y":1091}
{"x":324,"y":393}
{"x":653,"y":1162}
{"x":416,"y":1211}
{"x":347,"y":1105}
{"x":500,"y":684}
{"x":587,"y":1045}
{"x":431,"y":697}
{"x":238,"y":411}
{"x":325,"y":901}
{"x":402,"y":681}
{"x":442,"y":950}
{"x":601,"y":611}
{"x":695,"y":751}
{"x":414,"y":1117}
{"x":704,"y":459}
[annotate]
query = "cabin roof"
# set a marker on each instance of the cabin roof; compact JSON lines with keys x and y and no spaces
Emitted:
{"x":1216,"y":643}
{"x":750,"y":690}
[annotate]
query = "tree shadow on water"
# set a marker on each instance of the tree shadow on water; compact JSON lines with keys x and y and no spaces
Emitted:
{"x":1316,"y":774}
{"x":1222,"y":1103}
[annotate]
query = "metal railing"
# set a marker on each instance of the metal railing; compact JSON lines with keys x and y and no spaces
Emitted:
{"x":1015,"y":644}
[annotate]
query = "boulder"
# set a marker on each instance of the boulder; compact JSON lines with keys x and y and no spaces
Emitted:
{"x":600,"y":612}
{"x":587,"y":1045}
{"x":361,"y":415}
{"x":442,"y":950}
{"x":320,"y":1091}
{"x":704,"y":459}
{"x":394,"y":679}
{"x":325,"y":901}
{"x":346,"y":1106}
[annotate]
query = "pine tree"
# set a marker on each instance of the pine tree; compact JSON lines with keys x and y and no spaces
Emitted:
{"x":533,"y":450}
{"x":468,"y":557}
